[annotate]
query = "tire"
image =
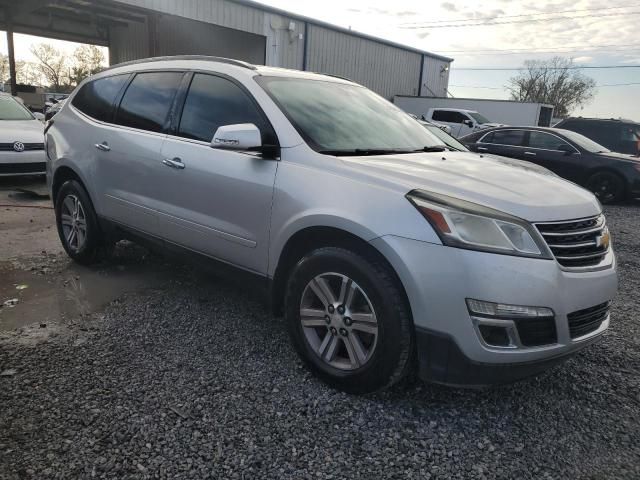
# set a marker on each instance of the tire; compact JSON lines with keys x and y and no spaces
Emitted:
{"x":87,"y":245}
{"x":607,"y":186}
{"x":363,"y":349}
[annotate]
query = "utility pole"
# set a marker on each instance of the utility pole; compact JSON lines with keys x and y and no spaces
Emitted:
{"x":12,"y":54}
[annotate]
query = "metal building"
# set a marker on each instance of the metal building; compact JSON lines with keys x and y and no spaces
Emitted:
{"x":241,"y":29}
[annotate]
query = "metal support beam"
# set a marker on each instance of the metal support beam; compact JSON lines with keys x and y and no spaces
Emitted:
{"x":152,"y":27}
{"x":12,"y":55}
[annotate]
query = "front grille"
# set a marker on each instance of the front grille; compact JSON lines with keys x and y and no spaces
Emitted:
{"x":577,"y":243}
{"x":8,"y":147}
{"x":588,"y":320}
{"x":22,"y":168}
{"x":535,"y":332}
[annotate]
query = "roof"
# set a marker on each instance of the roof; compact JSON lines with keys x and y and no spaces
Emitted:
{"x":267,"y":8}
{"x":619,"y":120}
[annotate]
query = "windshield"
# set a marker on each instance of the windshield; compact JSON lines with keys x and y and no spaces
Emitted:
{"x":337,"y":118}
{"x":584,"y":142}
{"x":11,"y":109}
{"x":445,"y":138}
{"x":479,"y":118}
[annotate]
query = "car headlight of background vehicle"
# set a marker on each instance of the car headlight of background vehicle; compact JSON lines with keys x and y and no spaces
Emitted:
{"x":471,"y":226}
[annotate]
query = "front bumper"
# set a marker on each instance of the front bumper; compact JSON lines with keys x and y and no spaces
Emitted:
{"x":22,"y":163}
{"x":438,"y":279}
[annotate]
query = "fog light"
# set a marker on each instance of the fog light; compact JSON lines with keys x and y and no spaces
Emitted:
{"x":494,"y":335}
{"x":501,"y":310}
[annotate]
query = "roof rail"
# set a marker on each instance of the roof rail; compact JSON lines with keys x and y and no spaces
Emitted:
{"x":334,"y":76}
{"x":230,"y":61}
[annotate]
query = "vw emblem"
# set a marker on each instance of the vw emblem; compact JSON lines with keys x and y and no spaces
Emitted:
{"x":18,"y":146}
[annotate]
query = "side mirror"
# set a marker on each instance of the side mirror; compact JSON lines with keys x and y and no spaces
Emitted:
{"x":39,"y":116}
{"x":468,"y":123}
{"x":242,"y":136}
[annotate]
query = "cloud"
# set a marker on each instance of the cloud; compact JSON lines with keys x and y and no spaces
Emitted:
{"x":449,"y":6}
{"x":584,"y":59}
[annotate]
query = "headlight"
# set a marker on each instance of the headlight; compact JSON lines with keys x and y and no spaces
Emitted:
{"x":468,"y":225}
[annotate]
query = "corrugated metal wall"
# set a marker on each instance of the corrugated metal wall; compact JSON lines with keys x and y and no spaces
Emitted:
{"x":386,"y":69}
{"x":382,"y":68}
{"x":435,"y":77}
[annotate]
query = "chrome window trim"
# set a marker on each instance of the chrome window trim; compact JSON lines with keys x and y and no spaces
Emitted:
{"x":525,"y":146}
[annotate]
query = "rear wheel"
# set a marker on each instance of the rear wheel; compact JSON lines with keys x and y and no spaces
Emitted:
{"x":348,"y":320}
{"x":607,"y":186}
{"x":77,"y":224}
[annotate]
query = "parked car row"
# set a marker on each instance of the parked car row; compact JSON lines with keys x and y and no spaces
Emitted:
{"x":611,"y":176}
{"x":380,"y":240}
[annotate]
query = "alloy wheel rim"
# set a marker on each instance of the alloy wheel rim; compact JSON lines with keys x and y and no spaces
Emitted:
{"x":338,"y":321}
{"x":74,"y":222}
{"x":602,"y":188}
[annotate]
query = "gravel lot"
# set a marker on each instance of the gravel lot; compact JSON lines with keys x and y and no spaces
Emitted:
{"x":196,"y":380}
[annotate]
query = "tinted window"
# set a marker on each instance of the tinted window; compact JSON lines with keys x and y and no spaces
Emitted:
{"x":547,"y":142}
{"x":508,"y":137}
{"x":214,"y":101}
{"x":96,"y":98}
{"x":447,"y":116}
{"x":147,"y":101}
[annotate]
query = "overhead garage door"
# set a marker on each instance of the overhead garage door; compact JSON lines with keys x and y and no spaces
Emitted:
{"x":182,"y":36}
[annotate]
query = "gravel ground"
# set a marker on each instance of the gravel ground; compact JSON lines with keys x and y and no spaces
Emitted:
{"x":196,"y":380}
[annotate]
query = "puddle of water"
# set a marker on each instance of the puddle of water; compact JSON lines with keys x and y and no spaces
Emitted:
{"x":73,"y":292}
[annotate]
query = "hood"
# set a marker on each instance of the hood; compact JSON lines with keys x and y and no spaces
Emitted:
{"x":517,"y":188}
{"x":628,"y":157}
{"x":25,"y":131}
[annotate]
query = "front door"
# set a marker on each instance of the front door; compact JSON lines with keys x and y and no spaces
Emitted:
{"x":554,"y":153}
{"x":217,"y":202}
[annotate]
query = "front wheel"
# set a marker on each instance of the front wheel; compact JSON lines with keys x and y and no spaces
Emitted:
{"x":348,"y":320}
{"x":607,"y":186}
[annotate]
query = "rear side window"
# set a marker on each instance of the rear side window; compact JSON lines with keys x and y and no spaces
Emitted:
{"x":96,"y":98}
{"x":147,"y":101}
{"x":214,"y":101}
{"x":448,"y":116}
{"x":507,"y":137}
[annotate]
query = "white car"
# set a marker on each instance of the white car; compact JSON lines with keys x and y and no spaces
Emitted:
{"x":460,"y":122}
{"x":21,"y":139}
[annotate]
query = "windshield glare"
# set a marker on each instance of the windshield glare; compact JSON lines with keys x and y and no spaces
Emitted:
{"x":584,"y":142}
{"x":337,"y":117}
{"x":479,"y":118}
{"x":10,"y":109}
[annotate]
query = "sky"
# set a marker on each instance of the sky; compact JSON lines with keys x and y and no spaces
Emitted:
{"x":585,"y":32}
{"x":593,"y":32}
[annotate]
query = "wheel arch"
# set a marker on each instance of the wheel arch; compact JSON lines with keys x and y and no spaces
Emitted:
{"x":310,"y":238}
{"x":63,"y":173}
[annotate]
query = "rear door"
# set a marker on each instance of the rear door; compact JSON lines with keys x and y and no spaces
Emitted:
{"x":131,"y":150}
{"x":554,"y":153}
{"x":217,"y":202}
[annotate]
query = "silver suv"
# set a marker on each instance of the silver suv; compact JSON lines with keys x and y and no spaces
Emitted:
{"x":384,"y":250}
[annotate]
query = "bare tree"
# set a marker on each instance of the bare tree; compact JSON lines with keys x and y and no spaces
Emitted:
{"x":28,"y":73}
{"x":4,"y":68}
{"x":87,"y":60}
{"x":53,"y":64}
{"x":556,"y":82}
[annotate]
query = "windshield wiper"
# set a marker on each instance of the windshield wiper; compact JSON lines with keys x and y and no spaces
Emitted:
{"x":435,"y":148}
{"x":362,"y":152}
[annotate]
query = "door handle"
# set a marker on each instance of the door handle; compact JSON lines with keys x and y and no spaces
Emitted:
{"x":482,"y":149}
{"x":531,"y":154}
{"x":104,"y":146}
{"x":174,"y":163}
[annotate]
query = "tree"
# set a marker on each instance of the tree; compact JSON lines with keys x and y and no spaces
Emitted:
{"x":87,"y":60}
{"x":52,"y":64}
{"x":556,"y":82}
{"x":4,"y":68}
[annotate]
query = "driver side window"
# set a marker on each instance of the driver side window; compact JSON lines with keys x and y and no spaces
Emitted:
{"x":546,"y":141}
{"x":214,"y":101}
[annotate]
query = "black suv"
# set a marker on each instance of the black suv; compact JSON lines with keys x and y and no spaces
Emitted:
{"x":621,"y":136}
